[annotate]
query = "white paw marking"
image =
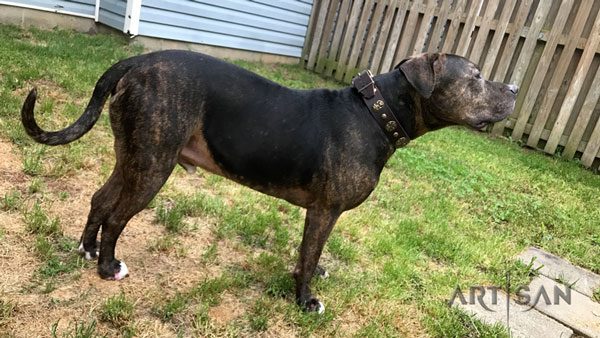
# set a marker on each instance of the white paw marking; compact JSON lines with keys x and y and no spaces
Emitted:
{"x":87,"y":255}
{"x":122,"y":272}
{"x":325,"y":275}
{"x":321,"y":308}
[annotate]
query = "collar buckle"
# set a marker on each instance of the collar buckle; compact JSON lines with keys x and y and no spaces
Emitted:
{"x":364,"y":84}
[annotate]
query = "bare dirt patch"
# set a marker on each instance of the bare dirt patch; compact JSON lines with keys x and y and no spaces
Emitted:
{"x":153,"y":276}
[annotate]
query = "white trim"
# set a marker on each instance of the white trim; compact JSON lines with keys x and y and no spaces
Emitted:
{"x":131,"y":24}
{"x":8,"y":3}
{"x":97,"y":11}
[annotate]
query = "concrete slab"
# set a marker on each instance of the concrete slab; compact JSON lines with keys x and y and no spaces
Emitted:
{"x":45,"y":19}
{"x":582,"y":314}
{"x":557,"y":268}
{"x":523,"y":322}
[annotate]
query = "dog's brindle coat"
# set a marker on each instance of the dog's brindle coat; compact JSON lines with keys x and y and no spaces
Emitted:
{"x":319,"y":149}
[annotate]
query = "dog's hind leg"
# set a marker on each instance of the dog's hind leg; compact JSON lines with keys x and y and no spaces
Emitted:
{"x":138,"y":189}
{"x":103,"y":202}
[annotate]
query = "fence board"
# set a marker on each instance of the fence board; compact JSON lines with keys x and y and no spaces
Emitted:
{"x":559,"y":75}
{"x":593,"y":145}
{"x":326,"y":33}
{"x":424,"y":27}
{"x":526,"y":56}
{"x":542,"y":68}
{"x":371,"y":35}
{"x":351,"y":70}
{"x":484,"y":30}
{"x":440,"y":24}
{"x":453,"y":27}
{"x":463,"y":44}
{"x":490,"y":59}
{"x":386,"y":64}
{"x":574,"y":88}
{"x":319,"y":29}
{"x":408,"y":33}
{"x":310,"y":32}
{"x":591,"y":100}
{"x":348,"y":39}
{"x":380,"y":49}
{"x":508,"y":53}
{"x":337,"y":36}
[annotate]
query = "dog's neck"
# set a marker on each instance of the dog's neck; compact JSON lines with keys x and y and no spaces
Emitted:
{"x":410,"y":108}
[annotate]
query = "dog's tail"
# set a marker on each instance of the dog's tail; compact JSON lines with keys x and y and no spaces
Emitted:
{"x":86,"y":121}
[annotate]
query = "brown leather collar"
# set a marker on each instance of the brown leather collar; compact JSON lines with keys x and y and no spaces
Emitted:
{"x":380,"y":111}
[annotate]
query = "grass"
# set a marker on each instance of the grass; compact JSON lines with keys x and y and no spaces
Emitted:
{"x":117,"y":310}
{"x":79,"y":329}
{"x":55,"y":250}
{"x":259,"y":315}
{"x":38,"y":222}
{"x":452,"y":208}
{"x":11,"y":201}
{"x":206,"y":294}
{"x":7,"y":309}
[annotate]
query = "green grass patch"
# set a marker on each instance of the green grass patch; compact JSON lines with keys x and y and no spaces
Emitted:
{"x":165,"y":244}
{"x":11,"y":201}
{"x":78,"y":329}
{"x":259,"y":315}
{"x":117,"y":310}
{"x":7,"y":309}
{"x":38,"y":222}
{"x":172,"y":213}
{"x":206,"y":293}
{"x":57,"y":252}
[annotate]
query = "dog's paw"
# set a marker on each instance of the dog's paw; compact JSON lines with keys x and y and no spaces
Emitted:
{"x":321,"y":271}
{"x":113,"y":271}
{"x":122,"y":272}
{"x":320,"y":307}
{"x":314,"y":305}
{"x":89,"y":255}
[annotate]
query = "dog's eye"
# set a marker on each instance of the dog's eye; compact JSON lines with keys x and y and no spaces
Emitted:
{"x":478,"y":76}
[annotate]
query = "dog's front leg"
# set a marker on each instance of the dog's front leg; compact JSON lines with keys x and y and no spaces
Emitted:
{"x":317,"y":227}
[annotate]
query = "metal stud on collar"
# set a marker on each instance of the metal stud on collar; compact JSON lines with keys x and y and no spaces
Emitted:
{"x":391,"y":126}
{"x":377,"y":106}
{"x":402,"y":142}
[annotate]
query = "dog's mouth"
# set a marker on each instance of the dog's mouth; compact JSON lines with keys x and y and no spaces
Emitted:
{"x":481,"y":125}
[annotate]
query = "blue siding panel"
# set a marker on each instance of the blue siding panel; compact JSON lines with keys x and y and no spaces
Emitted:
{"x":202,"y":24}
{"x":223,"y":14}
{"x":292,"y":5}
{"x":258,"y":9}
{"x":84,"y":7}
{"x":269,"y":26}
{"x":209,"y":38}
{"x":112,"y":13}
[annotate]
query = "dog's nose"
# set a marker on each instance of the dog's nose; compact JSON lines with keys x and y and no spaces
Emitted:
{"x":513,"y":88}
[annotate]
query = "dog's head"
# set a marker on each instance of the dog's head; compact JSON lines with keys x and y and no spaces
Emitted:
{"x":454,"y":93}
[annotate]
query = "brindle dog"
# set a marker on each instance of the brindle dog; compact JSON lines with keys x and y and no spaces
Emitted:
{"x":319,"y":149}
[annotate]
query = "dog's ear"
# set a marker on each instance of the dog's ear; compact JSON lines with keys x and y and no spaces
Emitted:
{"x":420,"y":72}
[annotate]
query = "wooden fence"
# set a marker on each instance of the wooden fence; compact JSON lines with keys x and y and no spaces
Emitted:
{"x":547,"y":47}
